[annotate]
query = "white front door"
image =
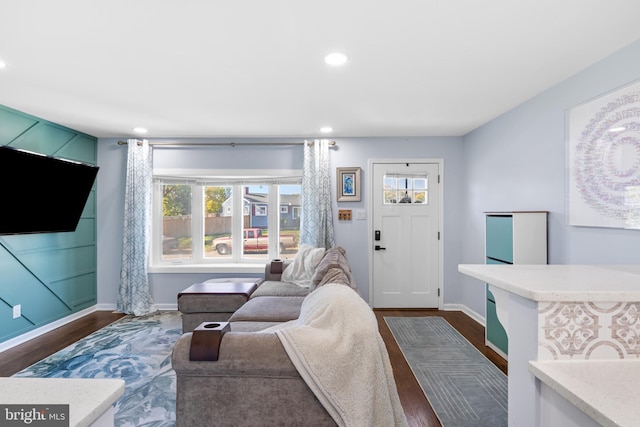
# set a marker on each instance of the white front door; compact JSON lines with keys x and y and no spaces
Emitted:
{"x":406,"y":248}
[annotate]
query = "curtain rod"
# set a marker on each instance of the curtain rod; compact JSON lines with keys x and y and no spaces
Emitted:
{"x":229,"y":144}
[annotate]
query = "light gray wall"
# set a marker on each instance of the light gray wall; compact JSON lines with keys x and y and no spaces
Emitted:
{"x":353,"y":235}
{"x":112,"y":160}
{"x":517,"y":162}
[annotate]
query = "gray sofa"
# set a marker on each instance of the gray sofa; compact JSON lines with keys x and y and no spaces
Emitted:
{"x":253,"y":381}
{"x":278,"y":301}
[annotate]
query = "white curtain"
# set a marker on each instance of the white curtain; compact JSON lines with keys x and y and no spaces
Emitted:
{"x":317,"y":217}
{"x":134,"y":294}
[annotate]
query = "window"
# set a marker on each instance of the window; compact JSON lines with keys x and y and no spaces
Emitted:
{"x":404,"y":188}
{"x":200,"y":221}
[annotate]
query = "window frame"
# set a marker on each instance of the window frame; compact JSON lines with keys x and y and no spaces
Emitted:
{"x":237,"y":179}
{"x":261,"y":210}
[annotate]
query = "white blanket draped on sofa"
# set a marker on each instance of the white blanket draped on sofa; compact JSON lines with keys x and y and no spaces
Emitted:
{"x":337,"y":349}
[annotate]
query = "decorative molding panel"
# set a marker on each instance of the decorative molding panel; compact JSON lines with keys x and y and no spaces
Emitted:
{"x":588,"y":330}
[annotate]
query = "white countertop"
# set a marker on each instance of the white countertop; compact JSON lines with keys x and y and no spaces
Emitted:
{"x":614,"y":283}
{"x":603,"y":389}
{"x":88,"y":399}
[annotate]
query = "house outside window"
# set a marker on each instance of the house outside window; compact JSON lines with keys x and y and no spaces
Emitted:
{"x":196,"y":221}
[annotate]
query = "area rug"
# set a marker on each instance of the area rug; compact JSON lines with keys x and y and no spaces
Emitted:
{"x":464,"y":388}
{"x":135,"y":349}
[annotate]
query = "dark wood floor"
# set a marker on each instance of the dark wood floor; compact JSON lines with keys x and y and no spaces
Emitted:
{"x":24,"y":355}
{"x":416,"y":406}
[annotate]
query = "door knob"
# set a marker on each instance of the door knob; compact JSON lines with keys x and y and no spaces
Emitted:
{"x":379,"y":248}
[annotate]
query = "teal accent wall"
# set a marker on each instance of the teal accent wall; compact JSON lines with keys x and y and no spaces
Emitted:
{"x":50,"y":275}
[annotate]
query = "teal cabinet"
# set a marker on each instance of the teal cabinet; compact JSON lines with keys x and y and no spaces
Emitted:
{"x":510,"y":238}
{"x":496,"y":334}
{"x":500,"y":238}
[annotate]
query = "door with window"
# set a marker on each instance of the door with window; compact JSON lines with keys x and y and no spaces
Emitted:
{"x":406,"y":246}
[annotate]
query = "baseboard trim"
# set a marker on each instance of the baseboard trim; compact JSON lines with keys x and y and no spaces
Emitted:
{"x":496,"y":349}
{"x":466,"y":310}
{"x":167,"y":307}
{"x":21,"y":339}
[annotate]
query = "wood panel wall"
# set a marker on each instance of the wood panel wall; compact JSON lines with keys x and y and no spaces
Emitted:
{"x":50,"y":275}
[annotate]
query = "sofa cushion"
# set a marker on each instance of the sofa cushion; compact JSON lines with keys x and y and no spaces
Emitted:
{"x":279,"y":289}
{"x":333,"y":258}
{"x":269,"y":309}
{"x":335,"y":275}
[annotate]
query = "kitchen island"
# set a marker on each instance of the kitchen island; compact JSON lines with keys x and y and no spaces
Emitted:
{"x":565,"y":320}
{"x":90,"y":401}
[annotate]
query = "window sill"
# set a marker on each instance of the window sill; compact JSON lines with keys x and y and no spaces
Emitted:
{"x":208,"y":268}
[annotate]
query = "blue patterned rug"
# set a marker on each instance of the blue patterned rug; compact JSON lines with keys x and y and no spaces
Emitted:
{"x":134,"y":349}
{"x":464,"y":388}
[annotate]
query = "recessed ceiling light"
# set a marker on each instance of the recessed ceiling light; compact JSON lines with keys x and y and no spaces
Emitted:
{"x":326,"y":129}
{"x":3,"y":64}
{"x":336,"y":59}
{"x":140,"y":130}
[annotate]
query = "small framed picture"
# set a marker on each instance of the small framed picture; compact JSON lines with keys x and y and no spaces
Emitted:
{"x":348,"y":184}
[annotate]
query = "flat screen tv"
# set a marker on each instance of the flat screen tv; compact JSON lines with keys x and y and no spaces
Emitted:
{"x":42,"y":194}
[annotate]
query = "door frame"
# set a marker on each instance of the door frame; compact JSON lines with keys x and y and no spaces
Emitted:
{"x":440,"y":163}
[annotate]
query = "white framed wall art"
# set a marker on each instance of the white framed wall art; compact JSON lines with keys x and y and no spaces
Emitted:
{"x":603,"y":160}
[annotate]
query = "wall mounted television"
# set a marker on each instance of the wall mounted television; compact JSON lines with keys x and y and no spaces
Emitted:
{"x":42,"y":194}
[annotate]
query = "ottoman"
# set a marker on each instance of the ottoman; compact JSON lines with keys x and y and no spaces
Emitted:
{"x":214,"y":300}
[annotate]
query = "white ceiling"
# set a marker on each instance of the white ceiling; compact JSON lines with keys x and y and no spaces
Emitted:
{"x":254,"y":68}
